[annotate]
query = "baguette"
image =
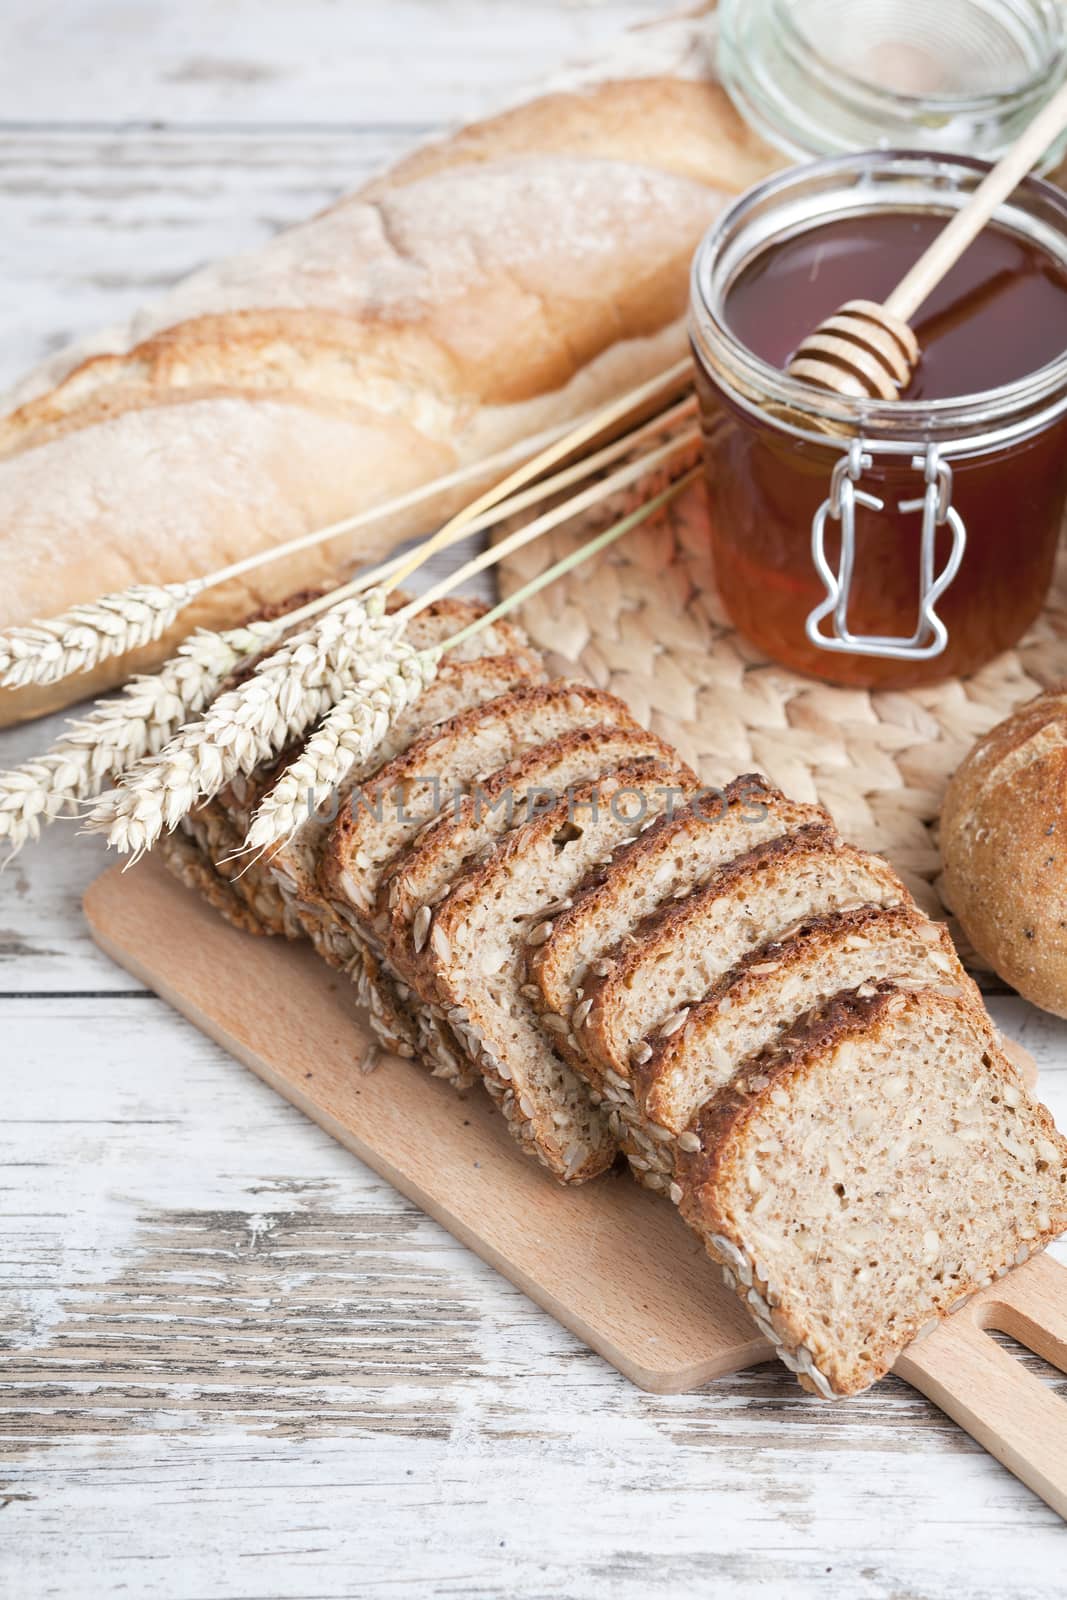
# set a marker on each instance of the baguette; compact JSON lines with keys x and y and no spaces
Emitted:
{"x":493,"y":286}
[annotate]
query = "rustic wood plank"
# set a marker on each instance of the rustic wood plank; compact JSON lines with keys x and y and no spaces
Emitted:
{"x":313,"y":61}
{"x":98,"y":223}
{"x":237,"y":1363}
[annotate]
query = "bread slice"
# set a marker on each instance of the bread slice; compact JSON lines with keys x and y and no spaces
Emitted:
{"x":665,"y":863}
{"x":758,"y":1000}
{"x":384,"y":816}
{"x":867,"y":1174}
{"x":471,"y":969}
{"x":676,"y":956}
{"x":776,"y":984}
{"x":511,"y":797}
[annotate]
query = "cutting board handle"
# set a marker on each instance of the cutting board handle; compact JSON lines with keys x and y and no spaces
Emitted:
{"x":982,"y":1386}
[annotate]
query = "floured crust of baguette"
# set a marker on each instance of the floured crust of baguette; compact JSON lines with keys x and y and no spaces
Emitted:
{"x":690,"y":128}
{"x":733,"y":1184}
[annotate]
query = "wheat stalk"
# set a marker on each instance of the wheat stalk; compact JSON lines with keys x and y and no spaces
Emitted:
{"x":288,"y":692}
{"x":349,"y":733}
{"x":81,"y":638}
{"x":117,"y":732}
{"x":360,"y":721}
{"x":48,"y":650}
{"x":599,"y":422}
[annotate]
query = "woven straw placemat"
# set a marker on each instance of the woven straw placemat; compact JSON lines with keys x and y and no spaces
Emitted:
{"x":644,"y":620}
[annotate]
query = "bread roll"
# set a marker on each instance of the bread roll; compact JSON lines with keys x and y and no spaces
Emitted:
{"x":1004,"y":846}
{"x":493,"y":285}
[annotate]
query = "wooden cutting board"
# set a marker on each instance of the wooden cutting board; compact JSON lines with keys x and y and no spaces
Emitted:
{"x":610,"y":1261}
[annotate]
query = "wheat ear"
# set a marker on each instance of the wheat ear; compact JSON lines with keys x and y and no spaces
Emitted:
{"x":45,"y":651}
{"x":350,"y":733}
{"x":99,"y":747}
{"x":81,"y":638}
{"x":287,"y":693}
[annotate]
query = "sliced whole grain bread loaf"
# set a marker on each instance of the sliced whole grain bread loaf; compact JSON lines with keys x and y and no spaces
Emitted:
{"x":521,"y":790}
{"x":383,"y":817}
{"x":471,"y":968}
{"x":646,"y":985}
{"x":868,"y":1173}
{"x":778,"y":983}
{"x":664,"y":864}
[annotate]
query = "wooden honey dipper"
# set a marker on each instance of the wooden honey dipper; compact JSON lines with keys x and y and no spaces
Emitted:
{"x":867,"y":351}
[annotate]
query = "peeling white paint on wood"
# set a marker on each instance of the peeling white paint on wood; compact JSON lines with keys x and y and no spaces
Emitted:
{"x":233,"y":1362}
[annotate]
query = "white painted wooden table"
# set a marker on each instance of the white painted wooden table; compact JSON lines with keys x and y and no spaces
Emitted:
{"x":234,"y":1363}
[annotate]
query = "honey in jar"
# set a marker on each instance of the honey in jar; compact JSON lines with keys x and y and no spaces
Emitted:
{"x":884,"y":544}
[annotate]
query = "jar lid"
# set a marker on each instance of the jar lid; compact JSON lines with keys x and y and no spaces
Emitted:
{"x":825,"y":77}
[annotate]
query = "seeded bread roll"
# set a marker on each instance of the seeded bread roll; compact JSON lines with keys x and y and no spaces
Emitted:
{"x":1004,"y":847}
{"x":494,"y":285}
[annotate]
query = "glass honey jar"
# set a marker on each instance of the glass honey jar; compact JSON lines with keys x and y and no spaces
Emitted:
{"x":884,"y":544}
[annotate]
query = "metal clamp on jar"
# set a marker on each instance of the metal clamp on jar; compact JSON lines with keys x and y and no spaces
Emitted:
{"x":883,"y":543}
{"x":930,"y":636}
